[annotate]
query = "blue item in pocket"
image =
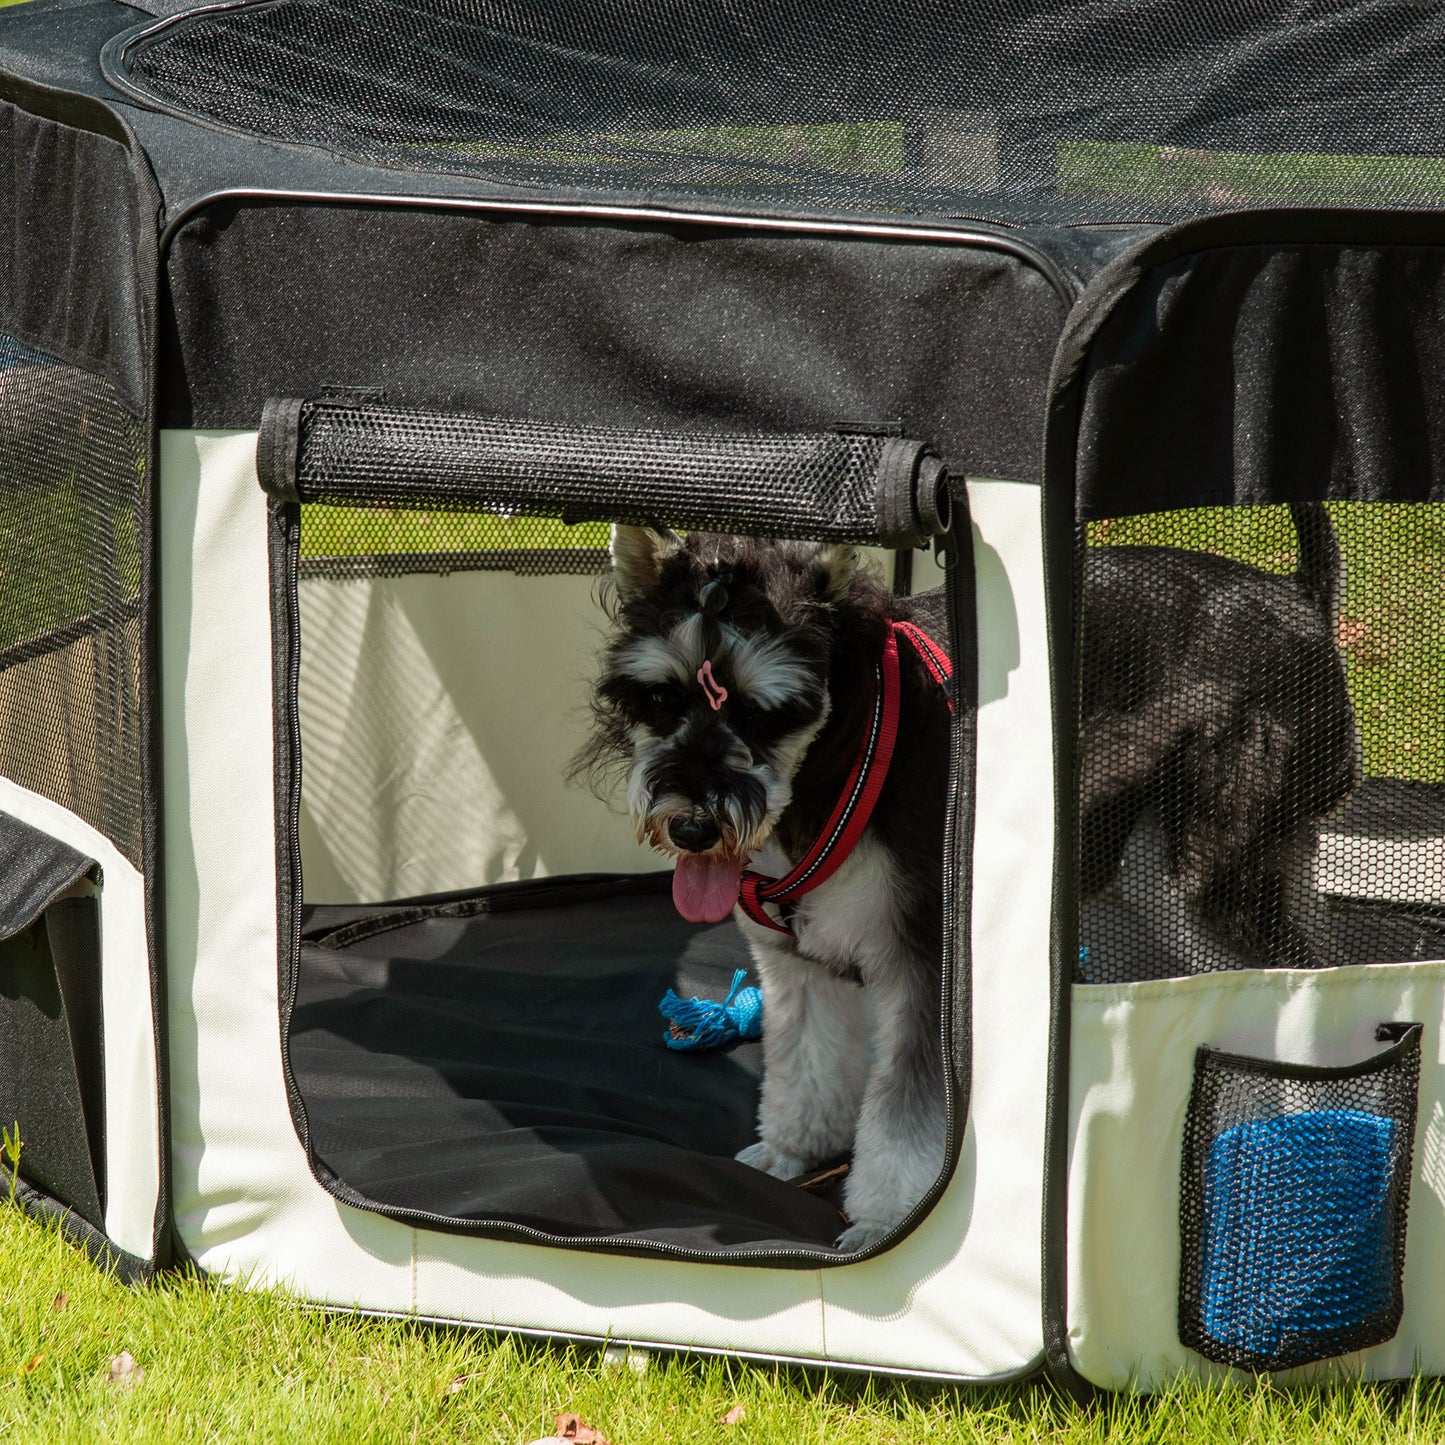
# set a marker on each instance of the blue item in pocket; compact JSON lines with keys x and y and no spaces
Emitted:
{"x":1298,"y":1233}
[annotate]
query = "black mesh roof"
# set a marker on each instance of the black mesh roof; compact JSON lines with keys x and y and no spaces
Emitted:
{"x":1022,"y":113}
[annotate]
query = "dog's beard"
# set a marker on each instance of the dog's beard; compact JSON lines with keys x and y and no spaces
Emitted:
{"x":744,"y":796}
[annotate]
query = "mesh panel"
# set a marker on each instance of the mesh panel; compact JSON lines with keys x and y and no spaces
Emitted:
{"x":1293,"y":1194}
{"x":990,"y":108}
{"x":346,"y":542}
{"x":817,"y":485}
{"x":70,"y":537}
{"x":1262,"y":740}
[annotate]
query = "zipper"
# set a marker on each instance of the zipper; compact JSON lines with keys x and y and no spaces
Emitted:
{"x":289,"y":520}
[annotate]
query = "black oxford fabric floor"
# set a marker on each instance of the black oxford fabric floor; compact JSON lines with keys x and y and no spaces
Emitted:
{"x":486,"y":1061}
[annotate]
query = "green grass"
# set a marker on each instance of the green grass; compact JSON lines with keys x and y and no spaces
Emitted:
{"x":1392,"y":631}
{"x":842,"y":147}
{"x":328,"y":531}
{"x":222,"y":1365}
{"x":1147,"y":172}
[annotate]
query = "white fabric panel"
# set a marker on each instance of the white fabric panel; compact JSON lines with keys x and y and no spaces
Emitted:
{"x":246,"y":1202}
{"x":132,"y":1120}
{"x":962,"y":1293}
{"x":1132,"y":1067}
{"x":437,"y":715}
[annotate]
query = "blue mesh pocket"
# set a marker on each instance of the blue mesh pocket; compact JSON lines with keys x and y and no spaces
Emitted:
{"x":1294,"y":1192}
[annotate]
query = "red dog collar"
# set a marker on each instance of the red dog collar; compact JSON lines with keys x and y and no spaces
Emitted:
{"x":855,"y":806}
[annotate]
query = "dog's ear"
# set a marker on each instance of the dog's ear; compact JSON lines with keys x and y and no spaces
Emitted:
{"x":637,"y":557}
{"x":834,"y":564}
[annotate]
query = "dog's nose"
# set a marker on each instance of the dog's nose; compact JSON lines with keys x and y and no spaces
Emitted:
{"x":694,"y":831}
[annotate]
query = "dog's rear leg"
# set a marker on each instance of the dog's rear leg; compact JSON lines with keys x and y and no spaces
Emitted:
{"x":902,"y":1126}
{"x":815,"y":1053}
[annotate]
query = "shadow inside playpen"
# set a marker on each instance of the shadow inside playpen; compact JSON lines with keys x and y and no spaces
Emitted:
{"x":509,"y":1065}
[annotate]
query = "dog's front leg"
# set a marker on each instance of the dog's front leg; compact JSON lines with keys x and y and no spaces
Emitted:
{"x":815,"y":1050}
{"x":902,"y":1126}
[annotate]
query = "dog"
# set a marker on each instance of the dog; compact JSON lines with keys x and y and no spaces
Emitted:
{"x":738,"y":684}
{"x":1216,"y":734}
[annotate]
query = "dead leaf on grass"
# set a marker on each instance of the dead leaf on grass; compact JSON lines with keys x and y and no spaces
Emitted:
{"x":34,"y":1363}
{"x":59,"y":1303}
{"x":571,"y":1427}
{"x":734,"y":1416}
{"x":1351,"y":632}
{"x":124,"y":1371}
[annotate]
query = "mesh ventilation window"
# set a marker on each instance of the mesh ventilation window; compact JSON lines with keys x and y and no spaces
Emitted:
{"x":811,"y":485}
{"x":73,"y":463}
{"x":987,"y":108}
{"x":1294,"y":1190}
{"x":343,"y":542}
{"x":1261,"y":767}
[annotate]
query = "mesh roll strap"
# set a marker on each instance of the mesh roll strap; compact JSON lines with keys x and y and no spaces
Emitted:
{"x":845,"y":485}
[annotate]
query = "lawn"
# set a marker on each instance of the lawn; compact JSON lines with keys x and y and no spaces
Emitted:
{"x":332,"y":531}
{"x":216,"y":1363}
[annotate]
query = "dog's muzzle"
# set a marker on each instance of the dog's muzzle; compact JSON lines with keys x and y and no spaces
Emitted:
{"x":694,"y":832}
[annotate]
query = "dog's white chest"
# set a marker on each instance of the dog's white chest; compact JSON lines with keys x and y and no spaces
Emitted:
{"x":849,"y":922}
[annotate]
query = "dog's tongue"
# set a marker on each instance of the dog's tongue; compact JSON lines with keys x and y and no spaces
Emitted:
{"x":704,"y":889}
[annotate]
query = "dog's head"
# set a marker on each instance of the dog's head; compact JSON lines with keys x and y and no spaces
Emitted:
{"x":714,"y":683}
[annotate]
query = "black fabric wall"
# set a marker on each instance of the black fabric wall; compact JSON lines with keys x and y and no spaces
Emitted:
{"x":1313,"y":368}
{"x":69,"y":230}
{"x":608,"y":323}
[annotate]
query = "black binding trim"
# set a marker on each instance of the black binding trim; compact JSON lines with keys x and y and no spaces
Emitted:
{"x":56,"y":638}
{"x":1061,"y":614}
{"x":128,"y":1268}
{"x":1404,"y":1039}
{"x":278,"y":448}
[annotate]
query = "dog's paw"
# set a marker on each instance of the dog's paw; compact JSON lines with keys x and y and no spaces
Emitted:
{"x":763,"y":1156}
{"x":862,"y":1236}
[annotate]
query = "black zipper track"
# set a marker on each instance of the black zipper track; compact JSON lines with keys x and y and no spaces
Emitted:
{"x":285,"y":553}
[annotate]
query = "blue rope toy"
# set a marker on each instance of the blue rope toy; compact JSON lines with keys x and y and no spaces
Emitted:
{"x":704,"y":1023}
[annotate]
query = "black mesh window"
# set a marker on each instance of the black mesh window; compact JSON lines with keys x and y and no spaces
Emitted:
{"x":73,"y":463}
{"x":1262,"y":739}
{"x":1053,"y":113}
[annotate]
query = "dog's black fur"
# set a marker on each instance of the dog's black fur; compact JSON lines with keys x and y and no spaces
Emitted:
{"x":761,"y":781}
{"x":1214,"y":699}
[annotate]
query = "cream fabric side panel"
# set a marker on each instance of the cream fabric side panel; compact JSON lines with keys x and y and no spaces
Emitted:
{"x":245,"y":1200}
{"x":1132,"y":1066}
{"x":961,"y":1294}
{"x":246,"y":1203}
{"x":132,"y":1119}
{"x":437,"y":717}
{"x":769,"y":1312}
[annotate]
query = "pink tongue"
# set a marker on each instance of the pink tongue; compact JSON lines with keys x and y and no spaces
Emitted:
{"x":704,"y":889}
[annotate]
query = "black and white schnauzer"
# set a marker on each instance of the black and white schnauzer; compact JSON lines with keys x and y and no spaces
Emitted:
{"x":1217,"y":733}
{"x":741,"y":687}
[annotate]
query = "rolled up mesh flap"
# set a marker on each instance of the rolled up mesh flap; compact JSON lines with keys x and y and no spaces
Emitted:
{"x":845,"y":485}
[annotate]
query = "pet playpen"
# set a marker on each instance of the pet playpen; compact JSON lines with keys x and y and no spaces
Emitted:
{"x":335,"y":332}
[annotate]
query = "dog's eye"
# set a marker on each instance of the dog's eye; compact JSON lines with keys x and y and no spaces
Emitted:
{"x":661,"y":697}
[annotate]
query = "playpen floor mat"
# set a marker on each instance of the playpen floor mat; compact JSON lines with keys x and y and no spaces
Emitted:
{"x":500,"y":1057}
